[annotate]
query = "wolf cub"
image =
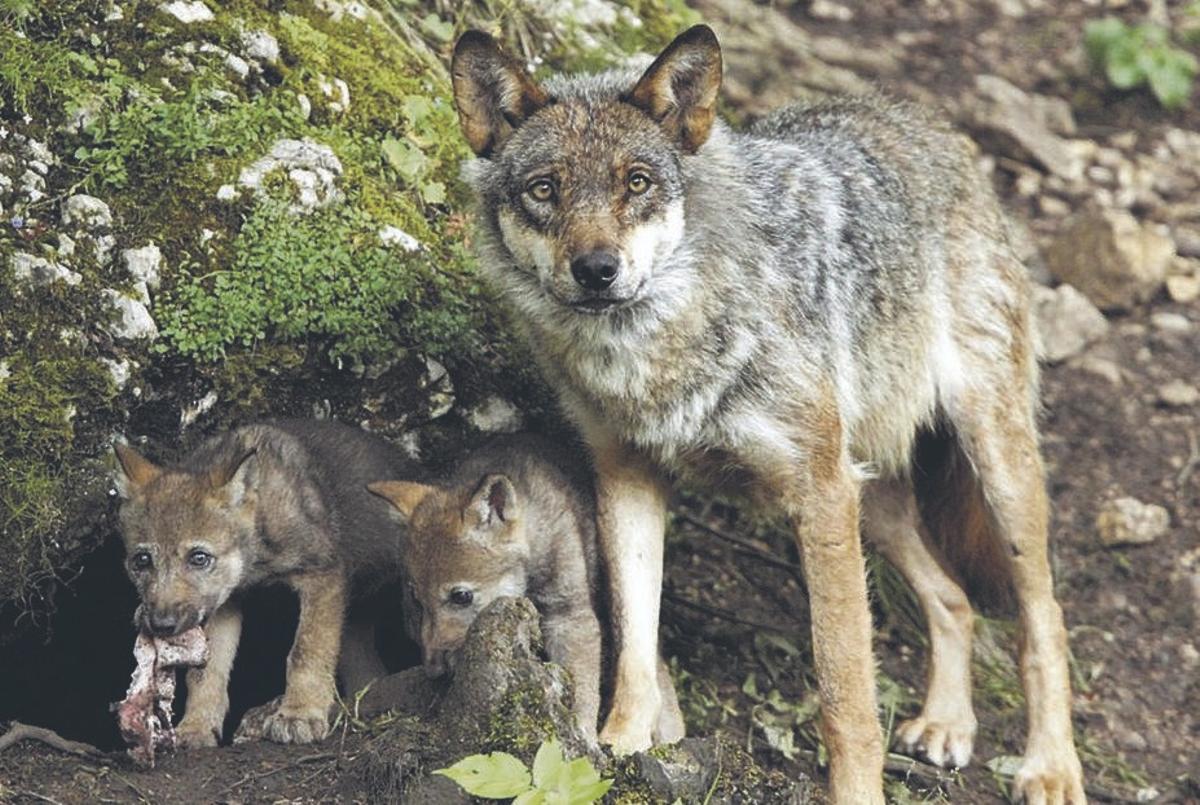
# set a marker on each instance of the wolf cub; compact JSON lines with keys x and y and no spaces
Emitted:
{"x":517,"y":517}
{"x":284,"y":501}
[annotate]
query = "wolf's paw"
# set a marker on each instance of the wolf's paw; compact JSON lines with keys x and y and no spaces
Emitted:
{"x":625,"y":736}
{"x":296,"y":725}
{"x":1050,"y":778}
{"x":195,"y":734}
{"x":943,"y":743}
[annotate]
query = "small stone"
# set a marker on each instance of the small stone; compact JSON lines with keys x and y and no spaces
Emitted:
{"x":188,"y":12}
{"x":260,"y":46}
{"x":1025,"y":126}
{"x":193,"y":412}
{"x":1067,"y":322}
{"x":1100,"y":367}
{"x":119,"y":371}
{"x":1178,"y":394}
{"x":1111,"y":258}
{"x":305,"y":105}
{"x":86,"y":212}
{"x":227,"y":192}
{"x":1189,"y":655}
{"x":311,"y":166}
{"x":1171,"y":322}
{"x":1053,"y":206}
{"x":829,"y":10}
{"x":496,"y":415}
{"x":1128,"y":521}
{"x":33,"y":270}
{"x":144,"y":266}
{"x":395,"y":236}
{"x":1183,"y":289}
{"x":134,"y":322}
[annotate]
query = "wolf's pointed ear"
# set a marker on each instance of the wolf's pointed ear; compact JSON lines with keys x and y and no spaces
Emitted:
{"x":233,"y":477}
{"x":680,"y":88}
{"x":404,"y":496}
{"x":493,"y":506}
{"x":492,"y":92}
{"x":134,"y":471}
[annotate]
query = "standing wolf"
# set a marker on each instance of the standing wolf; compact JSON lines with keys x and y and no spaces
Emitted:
{"x":282,"y":502}
{"x":791,"y":311}
{"x":517,"y":517}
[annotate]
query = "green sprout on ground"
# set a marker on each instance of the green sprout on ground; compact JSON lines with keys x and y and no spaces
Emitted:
{"x":553,"y":781}
{"x":1132,"y":56}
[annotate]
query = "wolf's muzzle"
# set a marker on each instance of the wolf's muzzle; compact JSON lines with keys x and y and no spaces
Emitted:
{"x":596,"y":271}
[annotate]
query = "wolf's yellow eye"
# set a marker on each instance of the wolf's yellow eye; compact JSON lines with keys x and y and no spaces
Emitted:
{"x":540,"y":190}
{"x":638,"y":183}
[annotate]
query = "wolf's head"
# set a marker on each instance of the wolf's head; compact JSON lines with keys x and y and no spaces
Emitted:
{"x":185,"y":535}
{"x":583,"y":177}
{"x":464,"y":548}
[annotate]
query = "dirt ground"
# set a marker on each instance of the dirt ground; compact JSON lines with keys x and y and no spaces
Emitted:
{"x":734,"y":611}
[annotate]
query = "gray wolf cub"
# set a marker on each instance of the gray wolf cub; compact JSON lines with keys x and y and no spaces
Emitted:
{"x":516,"y":518}
{"x":788,"y":311}
{"x":283,"y":501}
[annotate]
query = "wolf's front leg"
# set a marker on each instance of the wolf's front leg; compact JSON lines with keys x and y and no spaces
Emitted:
{"x":631,"y":509}
{"x":303,"y":714}
{"x":208,"y":687}
{"x":573,"y":641}
{"x":826,"y":518}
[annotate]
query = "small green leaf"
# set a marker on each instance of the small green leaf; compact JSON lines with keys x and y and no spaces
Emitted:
{"x":438,"y":28}
{"x":533,"y":796}
{"x":548,"y":764}
{"x":1005,"y":765}
{"x":1123,"y":68}
{"x":587,"y":794}
{"x":495,"y":776}
{"x":405,"y":158}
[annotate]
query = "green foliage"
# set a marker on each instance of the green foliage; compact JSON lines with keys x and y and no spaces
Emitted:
{"x":323,"y":278}
{"x":1137,"y":55}
{"x":554,"y":781}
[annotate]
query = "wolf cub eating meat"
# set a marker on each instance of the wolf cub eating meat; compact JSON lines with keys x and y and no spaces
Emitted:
{"x":283,"y":501}
{"x":517,"y":517}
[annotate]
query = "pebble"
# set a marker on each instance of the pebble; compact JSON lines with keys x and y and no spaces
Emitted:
{"x":1128,"y":521}
{"x":1178,"y":393}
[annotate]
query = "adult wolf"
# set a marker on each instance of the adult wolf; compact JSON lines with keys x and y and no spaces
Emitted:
{"x":283,"y":501}
{"x":792,"y":311}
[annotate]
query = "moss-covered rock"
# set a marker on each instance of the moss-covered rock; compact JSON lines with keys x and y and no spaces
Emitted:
{"x":295,"y":164}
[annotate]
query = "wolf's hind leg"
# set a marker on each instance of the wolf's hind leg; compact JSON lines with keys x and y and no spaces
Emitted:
{"x":670,"y":727}
{"x":208,"y":687}
{"x":1000,"y":439}
{"x":944,"y":732}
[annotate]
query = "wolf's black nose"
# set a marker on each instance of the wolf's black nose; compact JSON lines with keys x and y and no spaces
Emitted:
{"x":596,"y":270}
{"x":163,"y":625}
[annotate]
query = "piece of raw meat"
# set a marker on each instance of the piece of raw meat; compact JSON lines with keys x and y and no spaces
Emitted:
{"x":145,"y":715}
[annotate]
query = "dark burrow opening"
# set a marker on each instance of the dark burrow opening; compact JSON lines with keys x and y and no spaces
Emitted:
{"x":65,"y":673}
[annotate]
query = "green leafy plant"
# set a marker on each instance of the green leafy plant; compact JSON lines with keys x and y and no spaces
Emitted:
{"x":1137,"y":55}
{"x":553,"y":781}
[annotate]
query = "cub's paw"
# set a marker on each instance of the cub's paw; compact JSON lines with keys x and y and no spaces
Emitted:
{"x":943,"y":743}
{"x":296,"y":725}
{"x":195,"y":734}
{"x":253,"y":722}
{"x":1050,"y":779}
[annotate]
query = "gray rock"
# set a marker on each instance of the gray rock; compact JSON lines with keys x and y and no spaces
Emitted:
{"x":260,"y":46}
{"x":86,"y":212}
{"x":312,"y":167}
{"x":145,"y":267}
{"x":134,"y":321}
{"x":685,"y":770}
{"x":1023,"y":126}
{"x":33,"y":270}
{"x":1067,"y":322}
{"x":395,"y":236}
{"x":1171,"y":322}
{"x":1183,"y":288}
{"x":1111,"y":258}
{"x":495,"y":415}
{"x":1178,"y":394}
{"x":187,"y":11}
{"x":1128,"y":521}
{"x":119,"y":371}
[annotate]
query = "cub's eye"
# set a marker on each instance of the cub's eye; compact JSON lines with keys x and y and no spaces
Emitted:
{"x":141,"y":560}
{"x":638,"y":183}
{"x":540,"y":190}
{"x":199,"y":559}
{"x":461,"y":597}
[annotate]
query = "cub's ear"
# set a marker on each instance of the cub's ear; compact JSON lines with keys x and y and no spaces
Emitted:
{"x":133,"y":471}
{"x":492,"y":92}
{"x":680,"y":88}
{"x":493,"y":506}
{"x":233,"y":477}
{"x":404,"y":496}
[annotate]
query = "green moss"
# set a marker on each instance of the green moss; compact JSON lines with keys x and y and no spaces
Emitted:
{"x":519,"y":724}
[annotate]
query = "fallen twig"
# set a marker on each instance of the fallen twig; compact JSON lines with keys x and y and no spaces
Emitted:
{"x":716,"y":612}
{"x":1192,"y":461}
{"x":20,"y":732}
{"x":249,"y":778}
{"x":753,"y":550}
